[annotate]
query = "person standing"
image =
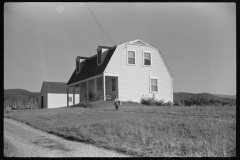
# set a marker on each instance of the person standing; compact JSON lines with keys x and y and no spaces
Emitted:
{"x":116,"y":103}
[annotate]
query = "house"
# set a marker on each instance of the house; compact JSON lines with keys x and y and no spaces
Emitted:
{"x":54,"y":95}
{"x":129,"y":71}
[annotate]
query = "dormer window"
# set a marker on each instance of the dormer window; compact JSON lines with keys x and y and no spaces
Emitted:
{"x":101,"y":54}
{"x":99,"y":57}
{"x":77,"y":66}
{"x":80,"y":62}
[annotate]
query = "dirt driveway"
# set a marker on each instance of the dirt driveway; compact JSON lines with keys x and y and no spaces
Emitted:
{"x":32,"y":142}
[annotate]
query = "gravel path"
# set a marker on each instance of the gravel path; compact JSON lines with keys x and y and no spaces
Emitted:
{"x":32,"y":142}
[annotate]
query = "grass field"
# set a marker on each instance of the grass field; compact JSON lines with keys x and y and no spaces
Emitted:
{"x":9,"y":149}
{"x":142,"y":130}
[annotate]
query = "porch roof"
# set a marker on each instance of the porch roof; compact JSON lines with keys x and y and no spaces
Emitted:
{"x":90,"y":68}
{"x":58,"y":87}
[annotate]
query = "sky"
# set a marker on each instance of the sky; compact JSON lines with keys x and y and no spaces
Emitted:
{"x":197,"y":40}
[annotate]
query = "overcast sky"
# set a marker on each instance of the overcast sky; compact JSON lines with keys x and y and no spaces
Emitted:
{"x":197,"y":40}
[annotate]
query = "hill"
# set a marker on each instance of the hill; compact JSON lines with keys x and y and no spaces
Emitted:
{"x":226,"y":96}
{"x":178,"y":96}
{"x":19,"y":94}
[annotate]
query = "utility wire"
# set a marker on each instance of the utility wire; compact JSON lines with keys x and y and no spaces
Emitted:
{"x":99,"y":25}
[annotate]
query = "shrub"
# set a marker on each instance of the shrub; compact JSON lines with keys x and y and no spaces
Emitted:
{"x":177,"y":103}
{"x":169,"y":103}
{"x":159,"y":102}
{"x":94,"y":96}
{"x":151,"y":101}
{"x":97,"y":96}
{"x":148,"y":101}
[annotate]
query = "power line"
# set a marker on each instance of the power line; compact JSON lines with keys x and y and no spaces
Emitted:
{"x":99,"y":25}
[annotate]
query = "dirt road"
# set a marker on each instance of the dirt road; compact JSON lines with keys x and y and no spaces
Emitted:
{"x":32,"y":142}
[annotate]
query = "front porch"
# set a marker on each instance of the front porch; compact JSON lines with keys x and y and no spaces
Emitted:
{"x":105,"y":85}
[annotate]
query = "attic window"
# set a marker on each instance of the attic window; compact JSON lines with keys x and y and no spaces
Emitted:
{"x":131,"y":57}
{"x":99,"y":57}
{"x":147,"y":59}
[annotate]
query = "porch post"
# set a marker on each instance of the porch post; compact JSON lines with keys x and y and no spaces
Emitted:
{"x":118,"y":87}
{"x":67,"y":95}
{"x":104,"y":90}
{"x":79,"y":92}
{"x":95,"y":85}
{"x":73,"y":94}
{"x":87,"y":92}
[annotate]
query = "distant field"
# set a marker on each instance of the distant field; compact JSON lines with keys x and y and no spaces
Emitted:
{"x":142,"y":130}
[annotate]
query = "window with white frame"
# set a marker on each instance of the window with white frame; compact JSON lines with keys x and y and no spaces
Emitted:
{"x":69,"y":99}
{"x":131,"y":57}
{"x":154,"y":84}
{"x":147,"y":59}
{"x":114,"y":84}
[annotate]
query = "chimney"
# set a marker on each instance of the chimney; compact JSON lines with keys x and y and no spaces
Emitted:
{"x":80,"y":62}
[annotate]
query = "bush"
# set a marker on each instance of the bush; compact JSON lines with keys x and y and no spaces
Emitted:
{"x":148,"y":101}
{"x":159,"y":102}
{"x":94,"y":96}
{"x":151,"y":101}
{"x":97,"y":96}
{"x":169,"y":103}
{"x":177,"y":103}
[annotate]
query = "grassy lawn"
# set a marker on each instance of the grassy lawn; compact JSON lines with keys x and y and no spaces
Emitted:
{"x":142,"y":130}
{"x":9,"y":149}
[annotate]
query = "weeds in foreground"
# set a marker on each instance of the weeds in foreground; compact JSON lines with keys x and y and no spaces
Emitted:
{"x":9,"y":149}
{"x":141,"y":130}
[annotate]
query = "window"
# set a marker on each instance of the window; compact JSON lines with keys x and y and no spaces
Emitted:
{"x":147,"y":59}
{"x":113,"y":84}
{"x":77,"y":66}
{"x":69,"y":99}
{"x":131,"y":57}
{"x":99,"y":57}
{"x":153,"y":84}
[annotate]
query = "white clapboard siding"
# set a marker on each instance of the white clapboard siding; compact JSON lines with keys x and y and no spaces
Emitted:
{"x":134,"y":80}
{"x":56,"y":100}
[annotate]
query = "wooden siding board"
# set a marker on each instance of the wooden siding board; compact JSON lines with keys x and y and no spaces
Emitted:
{"x":132,"y":77}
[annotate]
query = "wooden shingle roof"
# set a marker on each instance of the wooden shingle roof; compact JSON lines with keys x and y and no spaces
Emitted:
{"x":90,"y":68}
{"x":58,"y":87}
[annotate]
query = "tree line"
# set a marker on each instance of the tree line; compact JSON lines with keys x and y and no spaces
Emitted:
{"x":203,"y":102}
{"x":20,"y":99}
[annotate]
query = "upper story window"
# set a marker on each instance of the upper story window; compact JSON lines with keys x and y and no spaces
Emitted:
{"x":77,"y":66}
{"x":147,"y":59}
{"x":114,"y":84}
{"x":99,"y":57}
{"x":131,"y":57}
{"x":154,"y":84}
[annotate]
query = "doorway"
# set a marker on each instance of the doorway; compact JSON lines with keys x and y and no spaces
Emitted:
{"x":42,"y":101}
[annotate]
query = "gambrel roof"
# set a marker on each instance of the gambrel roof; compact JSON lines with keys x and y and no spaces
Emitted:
{"x":90,"y":68}
{"x":57,"y":87}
